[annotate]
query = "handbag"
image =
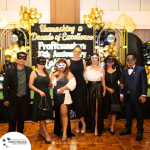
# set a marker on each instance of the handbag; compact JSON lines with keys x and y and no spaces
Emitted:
{"x":43,"y":112}
{"x":115,"y":106}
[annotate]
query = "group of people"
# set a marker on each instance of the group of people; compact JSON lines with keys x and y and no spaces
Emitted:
{"x":100,"y":96}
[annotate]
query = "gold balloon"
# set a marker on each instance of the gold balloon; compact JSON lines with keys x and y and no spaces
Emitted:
{"x":100,"y":49}
{"x":115,"y":49}
{"x":148,"y":67}
{"x":98,"y":20}
{"x":106,"y":47}
{"x":21,"y":21}
{"x":23,"y":49}
{"x":110,"y":50}
{"x":23,"y":7}
{"x":23,"y":11}
{"x":33,"y":9}
{"x":32,"y":14}
{"x":102,"y":59}
{"x":94,"y":9}
{"x":28,"y":10}
{"x":97,"y":27}
{"x":102,"y":24}
{"x":20,"y":14}
{"x":97,"y":14}
{"x":106,"y":54}
{"x":35,"y":20}
{"x":7,"y":58}
{"x":90,"y":24}
{"x":145,"y":66}
{"x":38,"y":15}
{"x":114,"y":54}
{"x":13,"y":60}
{"x":10,"y":47}
{"x":118,"y":58}
{"x":147,"y":71}
{"x":25,"y":16}
{"x":4,"y":52}
{"x":101,"y":12}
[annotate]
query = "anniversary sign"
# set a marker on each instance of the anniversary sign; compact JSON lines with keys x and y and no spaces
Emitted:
{"x":54,"y":41}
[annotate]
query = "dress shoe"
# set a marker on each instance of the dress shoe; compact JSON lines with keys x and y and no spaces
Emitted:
{"x":125,"y":132}
{"x":139,"y":137}
{"x":112,"y":132}
{"x":76,"y":130}
{"x":83,"y":131}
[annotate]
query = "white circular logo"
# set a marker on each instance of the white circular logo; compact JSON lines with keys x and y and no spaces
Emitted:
{"x":14,"y":141}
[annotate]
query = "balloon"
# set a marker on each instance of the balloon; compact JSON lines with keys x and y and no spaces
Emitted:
{"x":94,"y":9}
{"x":7,"y":58}
{"x":110,"y":50}
{"x":114,"y":54}
{"x":35,"y":20}
{"x":23,"y":7}
{"x":97,"y":26}
{"x":101,"y":12}
{"x":33,"y":9}
{"x":38,"y":15}
{"x":98,"y":20}
{"x":21,"y":21}
{"x":10,"y":47}
{"x":14,"y":38}
{"x":102,"y":59}
{"x":32,"y":14}
{"x":100,"y":49}
{"x":25,"y":16}
{"x":97,"y":14}
{"x":102,"y":24}
{"x":21,"y":43}
{"x":23,"y":11}
{"x":13,"y":60}
{"x":106,"y":54}
{"x":106,"y":47}
{"x":90,"y":24}
{"x":20,"y":14}
{"x":28,"y":10}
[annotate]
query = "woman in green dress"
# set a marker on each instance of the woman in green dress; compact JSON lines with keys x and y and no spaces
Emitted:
{"x":39,"y":82}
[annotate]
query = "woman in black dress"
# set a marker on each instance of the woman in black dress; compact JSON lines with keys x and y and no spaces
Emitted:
{"x":112,"y":75}
{"x":63,"y":81}
{"x":77,"y":67}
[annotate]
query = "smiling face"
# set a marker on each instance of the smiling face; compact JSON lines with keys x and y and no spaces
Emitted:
{"x":131,"y":60}
{"x":94,"y":59}
{"x":41,"y":64}
{"x":21,"y":59}
{"x":62,"y":66}
{"x":77,"y":52}
{"x":110,"y":62}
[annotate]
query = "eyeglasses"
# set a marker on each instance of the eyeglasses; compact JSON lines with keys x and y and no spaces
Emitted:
{"x":21,"y":57}
{"x":110,"y":60}
{"x":42,"y":62}
{"x":62,"y":65}
{"x":94,"y":57}
{"x":130,"y":59}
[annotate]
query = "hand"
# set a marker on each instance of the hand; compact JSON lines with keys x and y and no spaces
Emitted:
{"x":111,"y":90}
{"x":61,"y":90}
{"x":143,"y":99}
{"x":122,"y":86}
{"x":104,"y":93}
{"x":121,"y":99}
{"x":7,"y":103}
{"x":56,"y":73}
{"x":42,"y":94}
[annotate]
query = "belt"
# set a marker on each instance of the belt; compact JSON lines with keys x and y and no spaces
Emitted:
{"x":94,"y":82}
{"x":21,"y":95}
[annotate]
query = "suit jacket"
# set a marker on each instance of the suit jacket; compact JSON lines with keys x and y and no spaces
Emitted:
{"x":138,"y":84}
{"x":10,"y":84}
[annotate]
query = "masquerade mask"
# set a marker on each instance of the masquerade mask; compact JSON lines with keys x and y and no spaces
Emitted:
{"x":21,"y":57}
{"x":110,"y":60}
{"x":42,"y":62}
{"x":77,"y":51}
{"x":94,"y":57}
{"x":62,"y":65}
{"x":130,"y":59}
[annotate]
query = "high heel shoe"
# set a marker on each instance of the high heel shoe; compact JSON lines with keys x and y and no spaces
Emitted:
{"x":48,"y":140}
{"x":77,"y":131}
{"x":64,"y":139}
{"x":83,"y":131}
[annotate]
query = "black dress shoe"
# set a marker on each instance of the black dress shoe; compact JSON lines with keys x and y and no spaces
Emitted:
{"x":125,"y":132}
{"x":139,"y":137}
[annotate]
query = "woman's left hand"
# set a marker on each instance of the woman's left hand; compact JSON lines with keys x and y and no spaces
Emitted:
{"x":61,"y":90}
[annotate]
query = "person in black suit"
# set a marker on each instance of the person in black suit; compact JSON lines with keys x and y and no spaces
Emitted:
{"x":17,"y":93}
{"x":134,"y":88}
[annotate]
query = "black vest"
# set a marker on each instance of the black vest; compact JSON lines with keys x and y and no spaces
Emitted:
{"x":129,"y":77}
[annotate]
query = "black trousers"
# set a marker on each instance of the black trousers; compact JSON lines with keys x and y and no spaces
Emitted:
{"x":17,"y":114}
{"x":137,"y":109}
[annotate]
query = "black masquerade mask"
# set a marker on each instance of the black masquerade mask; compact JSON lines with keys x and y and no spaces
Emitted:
{"x":42,"y":62}
{"x":21,"y":57}
{"x":110,"y":60}
{"x":130,"y":59}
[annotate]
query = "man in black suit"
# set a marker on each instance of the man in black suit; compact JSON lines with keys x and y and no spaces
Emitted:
{"x":134,"y":80}
{"x":17,"y":93}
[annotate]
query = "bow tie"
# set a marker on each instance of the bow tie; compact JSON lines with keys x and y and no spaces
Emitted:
{"x":130,"y":67}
